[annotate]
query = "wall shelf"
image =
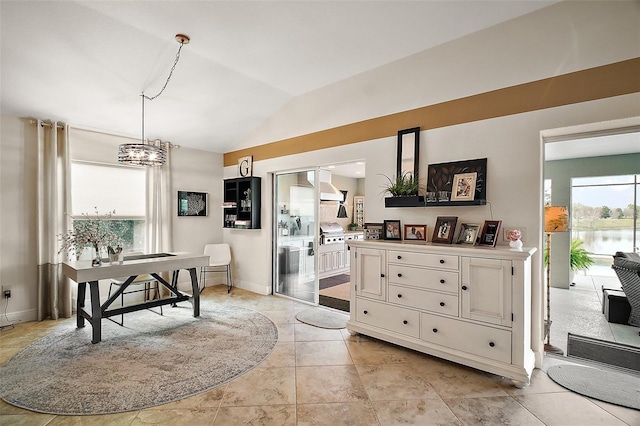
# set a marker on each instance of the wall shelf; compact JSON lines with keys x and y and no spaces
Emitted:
{"x":241,"y":204}
{"x":418,"y":201}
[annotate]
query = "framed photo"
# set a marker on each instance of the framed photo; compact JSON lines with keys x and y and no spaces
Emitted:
{"x":373,"y":231}
{"x":464,"y":186}
{"x":444,"y":229}
{"x":490,"y":232}
{"x":192,"y":203}
{"x":415,"y":232}
{"x":468,"y":233}
{"x":392,"y":230}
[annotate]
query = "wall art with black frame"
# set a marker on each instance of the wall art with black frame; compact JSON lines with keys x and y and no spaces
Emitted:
{"x":192,"y":203}
{"x":457,"y":183}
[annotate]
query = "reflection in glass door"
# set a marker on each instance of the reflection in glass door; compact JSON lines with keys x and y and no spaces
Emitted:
{"x":295,"y":239}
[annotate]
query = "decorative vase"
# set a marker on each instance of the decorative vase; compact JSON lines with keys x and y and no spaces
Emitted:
{"x":517,"y":244}
{"x":97,"y":260}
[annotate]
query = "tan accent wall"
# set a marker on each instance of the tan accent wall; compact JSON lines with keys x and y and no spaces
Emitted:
{"x":601,"y":82}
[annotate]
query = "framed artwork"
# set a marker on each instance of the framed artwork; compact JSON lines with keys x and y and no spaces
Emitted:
{"x":444,"y":229}
{"x":464,"y":186}
{"x":392,"y":230}
{"x":440,"y":177}
{"x":415,"y":232}
{"x":490,"y":232}
{"x":468,"y":233}
{"x":373,"y":231}
{"x":192,"y":203}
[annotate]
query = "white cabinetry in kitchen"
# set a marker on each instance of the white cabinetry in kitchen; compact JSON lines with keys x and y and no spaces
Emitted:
{"x":470,"y":305}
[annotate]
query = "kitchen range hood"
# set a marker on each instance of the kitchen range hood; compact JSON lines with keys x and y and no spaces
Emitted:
{"x":328,"y":192}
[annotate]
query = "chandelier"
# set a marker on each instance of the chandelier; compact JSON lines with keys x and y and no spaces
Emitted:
{"x":148,"y":153}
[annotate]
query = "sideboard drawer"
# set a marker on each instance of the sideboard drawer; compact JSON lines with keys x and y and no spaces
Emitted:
{"x":440,"y":303}
{"x":424,"y":259}
{"x":477,"y":339}
{"x":432,"y":279}
{"x":394,"y":318}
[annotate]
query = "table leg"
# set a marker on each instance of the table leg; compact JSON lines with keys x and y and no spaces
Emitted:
{"x":96,"y":312}
{"x":196,"y":292}
{"x":82,"y":291}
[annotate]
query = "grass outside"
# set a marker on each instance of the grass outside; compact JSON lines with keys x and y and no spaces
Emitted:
{"x":601,"y":224}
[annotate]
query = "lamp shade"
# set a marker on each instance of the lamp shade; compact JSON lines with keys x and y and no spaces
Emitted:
{"x":556,"y":219}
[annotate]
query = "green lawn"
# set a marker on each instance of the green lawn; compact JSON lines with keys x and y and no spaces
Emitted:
{"x":588,"y":224}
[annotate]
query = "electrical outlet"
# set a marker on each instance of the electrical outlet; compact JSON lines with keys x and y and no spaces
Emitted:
{"x":7,"y":294}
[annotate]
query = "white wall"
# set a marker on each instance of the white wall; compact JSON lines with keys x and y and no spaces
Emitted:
{"x":191,"y":169}
{"x":556,"y":40}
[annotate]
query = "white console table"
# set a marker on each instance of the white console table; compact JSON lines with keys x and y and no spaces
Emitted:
{"x":467,"y":304}
{"x":82,"y":273}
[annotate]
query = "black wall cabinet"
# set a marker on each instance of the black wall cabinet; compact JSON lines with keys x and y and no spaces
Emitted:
{"x":241,"y":203}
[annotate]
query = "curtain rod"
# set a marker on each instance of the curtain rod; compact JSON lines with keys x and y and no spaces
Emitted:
{"x":50,"y":125}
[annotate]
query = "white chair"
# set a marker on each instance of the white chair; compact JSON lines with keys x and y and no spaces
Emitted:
{"x":149,"y":282}
{"x":219,"y":257}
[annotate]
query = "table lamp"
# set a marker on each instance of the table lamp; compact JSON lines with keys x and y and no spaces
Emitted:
{"x":556,"y":219}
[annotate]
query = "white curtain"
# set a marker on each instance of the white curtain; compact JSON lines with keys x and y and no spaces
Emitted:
{"x":55,"y":298}
{"x":159,"y":199}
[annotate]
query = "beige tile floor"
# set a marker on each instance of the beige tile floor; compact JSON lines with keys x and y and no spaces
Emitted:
{"x":317,"y":376}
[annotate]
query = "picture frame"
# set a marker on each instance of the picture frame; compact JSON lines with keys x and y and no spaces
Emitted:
{"x":415,"y":232}
{"x":373,"y":231}
{"x":464,"y":186}
{"x":192,"y":203}
{"x":490,"y":232}
{"x":444,"y":229}
{"x":468,"y":233}
{"x":392,"y":230}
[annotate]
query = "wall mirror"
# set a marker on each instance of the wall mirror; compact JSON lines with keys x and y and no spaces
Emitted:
{"x":408,"y":151}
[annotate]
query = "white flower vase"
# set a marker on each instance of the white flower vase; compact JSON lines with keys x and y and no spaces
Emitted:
{"x":517,"y":244}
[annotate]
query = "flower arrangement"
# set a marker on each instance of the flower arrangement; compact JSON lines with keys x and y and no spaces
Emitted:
{"x":90,"y":232}
{"x":514,"y":235}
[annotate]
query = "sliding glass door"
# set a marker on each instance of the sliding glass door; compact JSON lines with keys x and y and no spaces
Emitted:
{"x":295,"y":235}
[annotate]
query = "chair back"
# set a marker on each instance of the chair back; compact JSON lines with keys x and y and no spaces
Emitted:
{"x":219,"y":254}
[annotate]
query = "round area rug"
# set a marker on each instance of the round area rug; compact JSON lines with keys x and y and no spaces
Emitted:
{"x":322,"y":318}
{"x":150,"y":361}
{"x":604,"y":385}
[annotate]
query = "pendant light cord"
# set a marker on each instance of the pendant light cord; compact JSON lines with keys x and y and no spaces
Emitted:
{"x":169,"y":77}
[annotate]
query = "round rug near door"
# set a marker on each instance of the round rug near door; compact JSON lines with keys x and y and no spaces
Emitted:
{"x":602,"y":384}
{"x":322,"y":318}
{"x":152,"y":360}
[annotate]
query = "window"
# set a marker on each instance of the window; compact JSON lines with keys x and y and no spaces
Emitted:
{"x":106,"y":188}
{"x":604,"y":213}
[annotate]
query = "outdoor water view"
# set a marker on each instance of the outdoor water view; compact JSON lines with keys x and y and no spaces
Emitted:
{"x":604,"y":215}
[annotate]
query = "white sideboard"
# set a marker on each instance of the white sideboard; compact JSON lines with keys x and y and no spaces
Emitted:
{"x":470,"y":305}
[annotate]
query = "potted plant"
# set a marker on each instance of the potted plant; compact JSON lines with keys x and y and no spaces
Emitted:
{"x":403,"y":189}
{"x":91,"y":232}
{"x":352,"y":226}
{"x":579,"y":258}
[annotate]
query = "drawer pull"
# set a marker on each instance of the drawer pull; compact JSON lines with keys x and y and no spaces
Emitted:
{"x":405,"y":322}
{"x":381,"y":275}
{"x":441,"y":281}
{"x":441,"y":260}
{"x":366,"y":312}
{"x":399,"y":275}
{"x":399,"y":295}
{"x":441,"y":303}
{"x":492,"y":344}
{"x":435,"y":330}
{"x":399,"y":257}
{"x":464,"y":287}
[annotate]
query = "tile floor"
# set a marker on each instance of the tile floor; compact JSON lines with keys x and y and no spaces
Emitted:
{"x":317,"y":376}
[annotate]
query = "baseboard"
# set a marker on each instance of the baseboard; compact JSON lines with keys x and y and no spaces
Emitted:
{"x":18,"y":316}
{"x":604,"y":352}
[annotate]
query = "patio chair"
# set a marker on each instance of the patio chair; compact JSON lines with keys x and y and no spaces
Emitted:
{"x":627,"y":267}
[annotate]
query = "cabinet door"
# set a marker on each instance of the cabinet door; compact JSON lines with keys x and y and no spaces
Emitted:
{"x":486,"y":290}
{"x":370,"y":273}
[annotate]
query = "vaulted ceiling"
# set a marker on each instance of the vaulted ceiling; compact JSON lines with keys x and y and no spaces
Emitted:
{"x":87,"y":62}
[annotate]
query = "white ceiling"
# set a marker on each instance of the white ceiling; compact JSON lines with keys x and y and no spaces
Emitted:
{"x":87,"y":62}
{"x":595,"y":146}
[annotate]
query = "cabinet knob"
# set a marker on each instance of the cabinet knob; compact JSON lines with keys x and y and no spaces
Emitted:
{"x":366,"y":312}
{"x":464,"y":287}
{"x":441,"y":260}
{"x":441,"y":303}
{"x":405,"y":322}
{"x":441,"y":281}
{"x":399,"y":257}
{"x":399,"y":275}
{"x":492,"y":344}
{"x":435,"y":330}
{"x":399,"y":296}
{"x":381,"y":275}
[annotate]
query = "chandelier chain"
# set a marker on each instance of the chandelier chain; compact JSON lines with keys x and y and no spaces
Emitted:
{"x":169,"y":77}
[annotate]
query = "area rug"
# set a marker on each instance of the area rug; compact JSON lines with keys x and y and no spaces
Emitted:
{"x":605,"y":385}
{"x":150,"y":361}
{"x":333,"y":281}
{"x":322,"y":318}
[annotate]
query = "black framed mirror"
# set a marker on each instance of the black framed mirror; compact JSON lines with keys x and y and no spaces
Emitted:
{"x":408,"y":152}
